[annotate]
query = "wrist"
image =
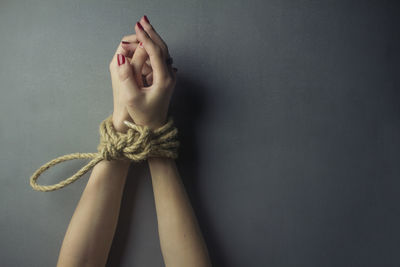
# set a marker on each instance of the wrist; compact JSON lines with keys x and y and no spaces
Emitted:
{"x":161,"y":165}
{"x":119,"y":125}
{"x":153,"y":121}
{"x":112,"y":168}
{"x":114,"y":165}
{"x":160,"y":161}
{"x":108,"y":176}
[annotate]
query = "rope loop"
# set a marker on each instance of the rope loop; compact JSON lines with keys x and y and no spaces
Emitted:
{"x":137,"y":144}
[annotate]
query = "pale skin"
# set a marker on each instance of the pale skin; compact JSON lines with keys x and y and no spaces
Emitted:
{"x":90,"y":232}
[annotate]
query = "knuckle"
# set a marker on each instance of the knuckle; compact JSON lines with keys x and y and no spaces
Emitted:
{"x":164,"y":46}
{"x":123,"y":74}
{"x":164,"y":49}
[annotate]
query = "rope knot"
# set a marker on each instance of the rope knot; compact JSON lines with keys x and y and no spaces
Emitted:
{"x":135,"y":145}
{"x":138,"y":143}
{"x":111,"y":151}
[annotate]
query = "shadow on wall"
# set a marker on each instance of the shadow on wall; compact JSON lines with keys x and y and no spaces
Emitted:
{"x":187,"y":106}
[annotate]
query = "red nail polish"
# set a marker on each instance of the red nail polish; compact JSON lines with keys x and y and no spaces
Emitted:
{"x":146,"y":19}
{"x":139,"y":25}
{"x":125,"y":42}
{"x":120,"y":59}
{"x":141,"y":44}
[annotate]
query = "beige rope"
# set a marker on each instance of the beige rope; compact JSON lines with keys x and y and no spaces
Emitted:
{"x":137,"y":144}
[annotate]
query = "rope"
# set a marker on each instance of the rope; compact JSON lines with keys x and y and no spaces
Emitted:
{"x":137,"y":144}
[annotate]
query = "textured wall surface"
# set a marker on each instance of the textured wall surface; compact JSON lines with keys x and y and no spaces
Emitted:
{"x":288,"y":114}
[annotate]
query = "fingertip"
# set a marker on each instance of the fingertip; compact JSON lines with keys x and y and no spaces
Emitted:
{"x":138,"y":30}
{"x":125,"y":46}
{"x":141,"y":33}
{"x":139,"y":26}
{"x":121,"y":59}
{"x":123,"y":68}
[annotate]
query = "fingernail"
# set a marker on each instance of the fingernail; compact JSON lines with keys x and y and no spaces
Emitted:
{"x":125,"y":42}
{"x":146,"y":19}
{"x":120,"y":59}
{"x":141,"y":44}
{"x":139,"y":25}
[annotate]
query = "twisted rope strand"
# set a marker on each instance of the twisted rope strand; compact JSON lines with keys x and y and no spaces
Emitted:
{"x":137,"y":144}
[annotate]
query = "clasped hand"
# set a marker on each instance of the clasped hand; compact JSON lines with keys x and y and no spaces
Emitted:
{"x":142,"y":81}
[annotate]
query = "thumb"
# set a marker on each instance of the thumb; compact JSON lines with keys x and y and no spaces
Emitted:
{"x":127,"y":77}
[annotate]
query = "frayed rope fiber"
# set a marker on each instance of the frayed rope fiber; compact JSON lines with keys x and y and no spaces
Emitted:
{"x":137,"y":144}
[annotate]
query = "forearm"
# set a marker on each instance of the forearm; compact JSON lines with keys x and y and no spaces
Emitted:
{"x":182,"y":243}
{"x":92,"y":226}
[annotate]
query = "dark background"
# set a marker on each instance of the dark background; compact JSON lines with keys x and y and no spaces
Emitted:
{"x":288,"y":113}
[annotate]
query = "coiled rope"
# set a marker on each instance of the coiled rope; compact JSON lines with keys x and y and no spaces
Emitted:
{"x":137,"y":144}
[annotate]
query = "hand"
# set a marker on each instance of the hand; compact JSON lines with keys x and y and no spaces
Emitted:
{"x":145,"y":105}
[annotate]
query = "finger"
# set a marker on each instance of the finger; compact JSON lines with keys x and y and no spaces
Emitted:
{"x":138,"y":60}
{"x":146,"y":69}
{"x":149,"y":78}
{"x":150,"y":30}
{"x":154,"y":35}
{"x":128,"y":38}
{"x":130,"y":47}
{"x":126,"y":77}
{"x":157,"y":59}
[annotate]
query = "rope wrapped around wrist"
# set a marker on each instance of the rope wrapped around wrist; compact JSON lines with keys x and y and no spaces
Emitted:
{"x":137,"y":144}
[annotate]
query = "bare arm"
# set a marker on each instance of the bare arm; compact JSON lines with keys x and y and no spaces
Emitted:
{"x":91,"y":229}
{"x":180,"y":237}
{"x":181,"y":240}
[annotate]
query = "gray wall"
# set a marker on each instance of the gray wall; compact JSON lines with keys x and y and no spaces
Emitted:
{"x":288,"y":114}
